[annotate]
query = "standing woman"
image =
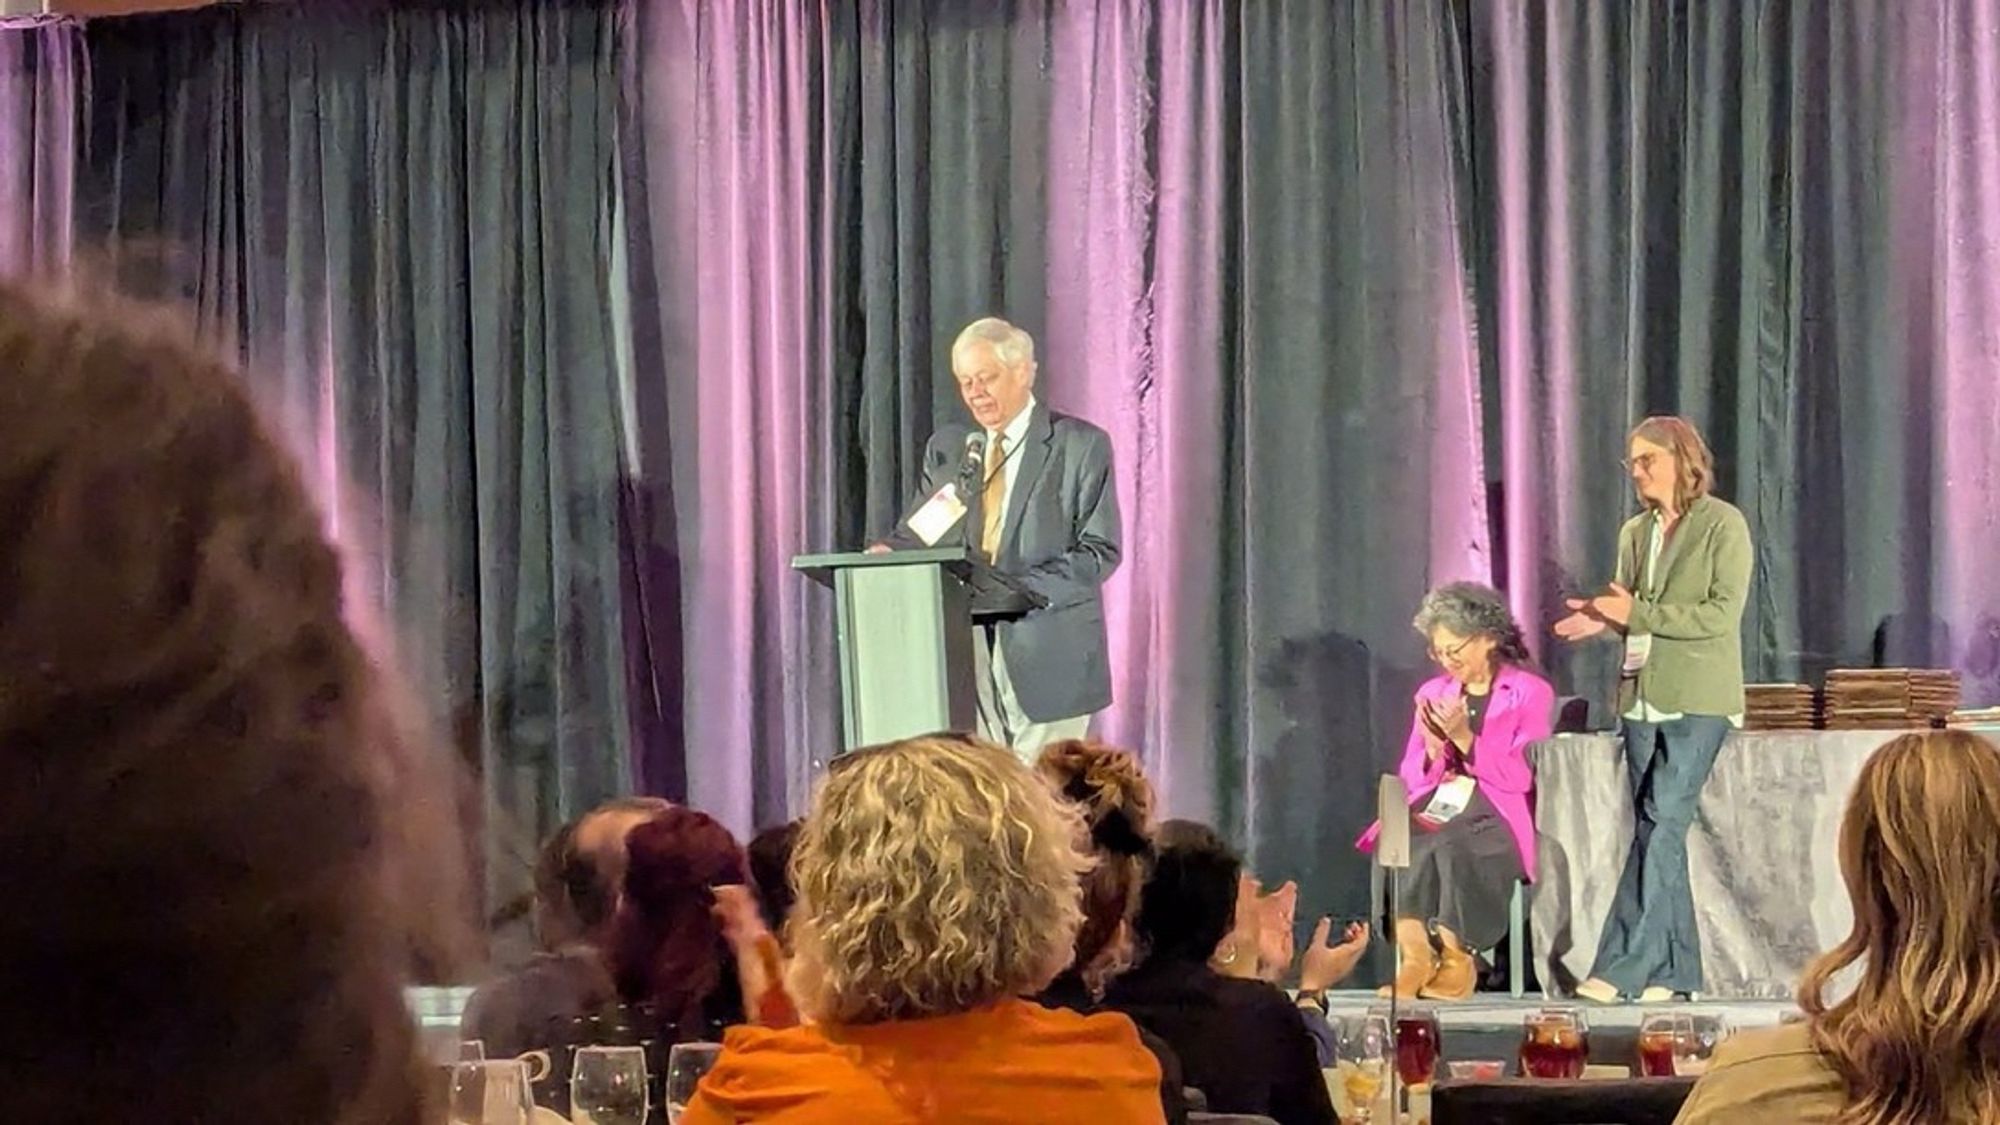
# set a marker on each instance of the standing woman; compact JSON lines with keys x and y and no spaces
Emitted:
{"x":1471,"y":789}
{"x":1682,"y":578}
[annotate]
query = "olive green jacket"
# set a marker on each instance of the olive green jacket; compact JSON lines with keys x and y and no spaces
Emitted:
{"x":1693,"y":609}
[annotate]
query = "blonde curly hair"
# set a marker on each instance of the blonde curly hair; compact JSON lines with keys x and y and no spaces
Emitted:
{"x":934,"y":875}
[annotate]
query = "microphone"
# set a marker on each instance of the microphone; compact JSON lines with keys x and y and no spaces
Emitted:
{"x":973,"y":466}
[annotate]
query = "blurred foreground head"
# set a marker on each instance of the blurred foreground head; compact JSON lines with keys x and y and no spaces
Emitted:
{"x":207,"y":835}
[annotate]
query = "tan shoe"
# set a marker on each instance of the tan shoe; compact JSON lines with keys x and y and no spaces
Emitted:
{"x":1456,"y":978}
{"x":1417,"y":960}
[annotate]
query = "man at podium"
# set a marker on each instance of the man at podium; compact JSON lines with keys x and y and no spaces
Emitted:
{"x":1033,"y":492}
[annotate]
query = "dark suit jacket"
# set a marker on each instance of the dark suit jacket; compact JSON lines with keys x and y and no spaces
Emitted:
{"x":1061,"y":540}
{"x":1241,"y":1042}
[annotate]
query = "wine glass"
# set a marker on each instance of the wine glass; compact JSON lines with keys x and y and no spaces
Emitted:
{"x":686,"y":1064}
{"x":495,"y":1092}
{"x":1362,"y":1063}
{"x":1555,"y":1043}
{"x":1664,"y":1039}
{"x":607,"y":1086}
{"x":1419,"y":1042}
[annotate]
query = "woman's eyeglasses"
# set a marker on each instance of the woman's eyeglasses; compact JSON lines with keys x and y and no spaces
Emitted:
{"x":1643,"y":462}
{"x":1441,"y":655}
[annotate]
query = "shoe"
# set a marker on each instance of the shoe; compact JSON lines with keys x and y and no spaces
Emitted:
{"x":1656,"y":994}
{"x":1598,"y":991}
{"x":1418,"y":960}
{"x":1456,"y":978}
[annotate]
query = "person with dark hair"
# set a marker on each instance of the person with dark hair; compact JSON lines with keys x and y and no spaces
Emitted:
{"x":1471,"y":790}
{"x":668,"y":951}
{"x":771,"y":873}
{"x":568,"y":979}
{"x":224,"y":845}
{"x":1115,"y":801}
{"x":1241,"y":1042}
{"x":1676,"y":602}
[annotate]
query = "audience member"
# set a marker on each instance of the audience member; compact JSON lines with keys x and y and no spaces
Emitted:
{"x":668,"y":953}
{"x":1917,"y":1040}
{"x":217,"y":865}
{"x":1240,"y":1041}
{"x":771,"y":873}
{"x":937,"y":883}
{"x":535,"y":1006}
{"x":1115,"y":801}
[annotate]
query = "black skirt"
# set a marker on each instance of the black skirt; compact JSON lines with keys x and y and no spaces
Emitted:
{"x":1462,"y":875}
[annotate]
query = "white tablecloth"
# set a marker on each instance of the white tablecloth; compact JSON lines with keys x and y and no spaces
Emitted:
{"x":1763,"y":854}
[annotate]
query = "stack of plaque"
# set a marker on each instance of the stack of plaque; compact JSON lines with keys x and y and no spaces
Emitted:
{"x":1888,"y":698}
{"x":1778,"y":707}
{"x":1974,"y":717}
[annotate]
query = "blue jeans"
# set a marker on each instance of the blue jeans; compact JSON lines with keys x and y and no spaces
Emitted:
{"x":1650,"y":937}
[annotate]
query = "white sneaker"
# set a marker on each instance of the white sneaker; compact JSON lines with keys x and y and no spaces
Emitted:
{"x":1598,"y":991}
{"x":1656,"y":994}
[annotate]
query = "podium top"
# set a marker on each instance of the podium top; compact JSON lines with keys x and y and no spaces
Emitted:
{"x":822,"y":567}
{"x":994,"y":595}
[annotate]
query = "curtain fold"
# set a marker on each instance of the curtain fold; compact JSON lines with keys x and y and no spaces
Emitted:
{"x":44,"y":83}
{"x":1777,"y":219}
{"x":402,"y":218}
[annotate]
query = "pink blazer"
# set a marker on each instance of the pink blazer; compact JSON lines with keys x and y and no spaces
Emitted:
{"x":1522,"y":711}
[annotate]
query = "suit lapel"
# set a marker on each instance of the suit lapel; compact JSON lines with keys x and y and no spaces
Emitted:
{"x":1034,"y":455}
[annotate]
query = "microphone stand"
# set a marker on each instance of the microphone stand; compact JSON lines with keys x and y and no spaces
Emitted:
{"x":1392,"y":853}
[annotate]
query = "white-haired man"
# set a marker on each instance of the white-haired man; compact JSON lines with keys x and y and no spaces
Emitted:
{"x":1046,"y":514}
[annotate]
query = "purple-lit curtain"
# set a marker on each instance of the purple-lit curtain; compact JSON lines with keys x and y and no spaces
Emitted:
{"x":403,"y":216}
{"x":43,"y":85}
{"x":1238,"y":233}
{"x":1781,"y":219}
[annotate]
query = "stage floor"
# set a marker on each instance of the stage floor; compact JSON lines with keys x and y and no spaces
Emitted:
{"x":1489,"y":1025}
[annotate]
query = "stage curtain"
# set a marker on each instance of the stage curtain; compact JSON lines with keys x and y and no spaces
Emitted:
{"x":403,"y":219}
{"x":1780,"y":219}
{"x":1238,"y":234}
{"x":44,"y":69}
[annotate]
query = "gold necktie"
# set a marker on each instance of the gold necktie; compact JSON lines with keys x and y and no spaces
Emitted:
{"x":993,"y":498}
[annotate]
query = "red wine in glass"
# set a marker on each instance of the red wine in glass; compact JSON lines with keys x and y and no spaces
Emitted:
{"x":1554,"y":1050}
{"x":1656,"y":1054}
{"x":1418,"y":1044}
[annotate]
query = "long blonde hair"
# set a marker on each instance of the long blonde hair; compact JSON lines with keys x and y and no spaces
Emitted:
{"x":933,"y":875}
{"x":1918,"y":1041}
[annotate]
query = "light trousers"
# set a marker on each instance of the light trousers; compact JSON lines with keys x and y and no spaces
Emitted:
{"x":1001,"y":719}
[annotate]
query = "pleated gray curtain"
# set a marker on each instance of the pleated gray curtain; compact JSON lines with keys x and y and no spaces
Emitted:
{"x":44,"y":80}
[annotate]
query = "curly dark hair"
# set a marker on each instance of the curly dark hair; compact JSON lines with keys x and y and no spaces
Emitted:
{"x":1116,"y":801}
{"x":206,"y":861}
{"x":1472,"y":610}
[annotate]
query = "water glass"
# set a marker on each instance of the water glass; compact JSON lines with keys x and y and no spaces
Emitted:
{"x":1363,"y":1048}
{"x":497,"y":1092}
{"x":1555,"y":1043}
{"x":686,"y":1064}
{"x":1665,"y":1038}
{"x":607,"y":1086}
{"x":1709,"y":1030}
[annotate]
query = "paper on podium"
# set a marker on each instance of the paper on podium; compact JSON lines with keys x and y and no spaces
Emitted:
{"x":1392,"y":846}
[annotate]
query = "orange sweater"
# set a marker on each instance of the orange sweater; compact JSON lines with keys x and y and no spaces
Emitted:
{"x":1013,"y":1062}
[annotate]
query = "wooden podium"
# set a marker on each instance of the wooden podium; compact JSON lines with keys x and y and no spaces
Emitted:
{"x":904,"y":621}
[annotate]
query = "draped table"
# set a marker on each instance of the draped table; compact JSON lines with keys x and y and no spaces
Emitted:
{"x":1763,"y":854}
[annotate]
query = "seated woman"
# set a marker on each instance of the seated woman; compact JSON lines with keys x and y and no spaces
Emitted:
{"x":1917,"y":1040}
{"x":667,"y":950}
{"x":1241,"y":1042}
{"x":1116,"y":803}
{"x":1472,"y":791}
{"x":937,"y":884}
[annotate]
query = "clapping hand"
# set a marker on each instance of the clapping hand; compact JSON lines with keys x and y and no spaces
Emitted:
{"x":1275,"y":943}
{"x":1325,"y":965}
